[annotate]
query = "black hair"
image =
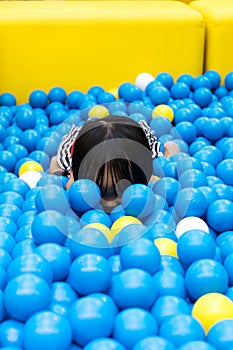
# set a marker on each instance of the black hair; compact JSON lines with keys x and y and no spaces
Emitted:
{"x":114,"y":153}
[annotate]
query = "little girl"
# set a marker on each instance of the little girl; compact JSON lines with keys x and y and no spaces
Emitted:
{"x":114,"y":152}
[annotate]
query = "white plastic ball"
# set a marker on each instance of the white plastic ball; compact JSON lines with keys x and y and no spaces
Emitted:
{"x":143,"y":79}
{"x":191,"y":223}
{"x":31,"y":177}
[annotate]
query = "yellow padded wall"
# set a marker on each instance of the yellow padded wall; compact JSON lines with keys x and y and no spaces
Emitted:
{"x":79,"y":44}
{"x":218,"y":16}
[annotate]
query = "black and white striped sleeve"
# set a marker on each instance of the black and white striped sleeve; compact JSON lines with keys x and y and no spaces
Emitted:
{"x":64,"y":156}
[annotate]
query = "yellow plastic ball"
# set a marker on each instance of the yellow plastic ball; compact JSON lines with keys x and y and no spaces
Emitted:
{"x":211,"y":308}
{"x":163,"y":111}
{"x":101,"y":227}
{"x":166,"y":246}
{"x":98,"y":111}
{"x":30,"y":165}
{"x":122,"y":222}
{"x":114,"y":92}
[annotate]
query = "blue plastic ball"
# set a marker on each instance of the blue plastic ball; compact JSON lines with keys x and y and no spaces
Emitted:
{"x":141,"y":254}
{"x":188,"y":163}
{"x":25,"y":119}
{"x":11,"y":197}
{"x":214,"y":78}
{"x":105,"y":97}
{"x":5,"y":258}
{"x":228,"y":266}
{"x":26,"y":218}
{"x":17,"y":185}
{"x":92,"y":317}
{"x":84,"y":195}
{"x":88,"y":240}
{"x":26,"y":246}
{"x":202,"y":96}
{"x":138,"y":200}
{"x":133,"y":288}
{"x":165,"y":79}
{"x":167,"y":306}
{"x":183,"y":115}
{"x":115,"y":264}
{"x":29,"y":139}
{"x":90,"y":273}
{"x":159,"y":95}
{"x":58,"y":258}
{"x":225,"y":171}
{"x":226,"y":246}
{"x":62,"y":293}
{"x":186,"y":78}
{"x":208,"y":169}
{"x":161,"y":125}
{"x":21,"y":305}
{"x":223,"y":191}
{"x":10,"y":211}
{"x":168,"y":282}
{"x":196,"y":344}
{"x":11,"y":334}
{"x":201,"y":81}
{"x":30,"y":263}
{"x":7,"y":225}
{"x":179,"y":90}
{"x":57,"y":94}
{"x":2,"y":133}
{"x":220,"y":335}
{"x":19,"y":151}
{"x":169,"y":262}
{"x":129,"y":92}
{"x":7,"y":99}
{"x":47,"y":330}
{"x":190,"y":202}
{"x":57,"y":117}
{"x":193,"y":178}
{"x":221,"y":91}
{"x":52,"y":106}
{"x":40,"y":157}
{"x":7,"y":241}
{"x":180,"y":329}
{"x":205,"y":276}
{"x":23,"y":233}
{"x":49,"y":227}
{"x":228,"y":80}
{"x":132,"y":325}
{"x":104,"y":344}
{"x":95,"y":90}
{"x":51,"y":197}
{"x":154,"y":343}
{"x":96,"y":216}
{"x":38,"y":99}
{"x":194,"y":245}
{"x":186,"y":131}
{"x":213,"y":130}
{"x":7,"y":160}
{"x":220,"y":215}
{"x":167,"y":187}
{"x":170,"y":170}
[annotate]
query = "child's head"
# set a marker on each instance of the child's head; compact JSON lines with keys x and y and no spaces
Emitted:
{"x":113,"y":152}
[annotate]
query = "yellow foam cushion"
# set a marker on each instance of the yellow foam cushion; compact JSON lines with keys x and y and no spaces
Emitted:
{"x":218,"y":16}
{"x":79,"y":44}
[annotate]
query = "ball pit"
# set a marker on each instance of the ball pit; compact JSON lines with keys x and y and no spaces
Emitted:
{"x":156,"y":272}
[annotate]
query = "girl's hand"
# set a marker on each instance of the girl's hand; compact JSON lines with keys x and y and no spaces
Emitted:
{"x":54,"y":167}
